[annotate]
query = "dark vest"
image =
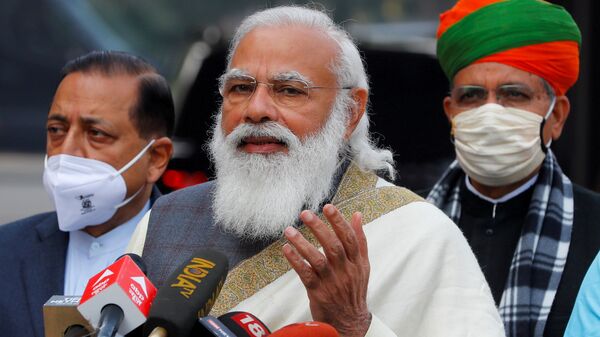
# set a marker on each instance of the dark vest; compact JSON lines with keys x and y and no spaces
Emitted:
{"x":180,"y":224}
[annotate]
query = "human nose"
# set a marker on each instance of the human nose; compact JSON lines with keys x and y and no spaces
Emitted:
{"x":261,"y":105}
{"x":491,"y":96}
{"x":71,"y":145}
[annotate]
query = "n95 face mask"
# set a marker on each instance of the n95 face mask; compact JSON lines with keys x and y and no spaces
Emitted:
{"x":85,"y":191}
{"x":496,"y":145}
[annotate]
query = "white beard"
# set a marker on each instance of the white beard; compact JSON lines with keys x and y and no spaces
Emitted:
{"x":257,"y":196}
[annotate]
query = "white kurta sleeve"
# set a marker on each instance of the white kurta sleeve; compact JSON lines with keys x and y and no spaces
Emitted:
{"x":424,"y":282}
{"x":379,"y":329}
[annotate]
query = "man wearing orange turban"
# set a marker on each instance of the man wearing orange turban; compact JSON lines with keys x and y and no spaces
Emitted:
{"x":510,"y":64}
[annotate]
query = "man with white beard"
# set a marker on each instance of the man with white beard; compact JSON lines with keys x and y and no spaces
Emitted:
{"x":291,"y":149}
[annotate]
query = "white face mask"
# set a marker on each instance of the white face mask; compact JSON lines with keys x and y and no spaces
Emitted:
{"x":497,"y":146}
{"x":85,"y":191}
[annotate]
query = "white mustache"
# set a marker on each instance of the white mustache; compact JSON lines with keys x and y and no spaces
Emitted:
{"x":266,"y":129}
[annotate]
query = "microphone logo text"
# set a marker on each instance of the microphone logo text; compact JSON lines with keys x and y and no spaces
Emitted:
{"x":192,"y":275}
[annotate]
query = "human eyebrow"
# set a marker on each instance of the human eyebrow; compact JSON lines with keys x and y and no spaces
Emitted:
{"x":234,"y":73}
{"x":518,"y":86}
{"x":57,"y":117}
{"x":291,"y":76}
{"x":90,"y":121}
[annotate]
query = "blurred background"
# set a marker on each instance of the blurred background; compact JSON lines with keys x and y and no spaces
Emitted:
{"x":187,"y":40}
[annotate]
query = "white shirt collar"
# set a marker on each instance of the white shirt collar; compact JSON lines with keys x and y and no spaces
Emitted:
{"x":524,"y":187}
{"x":87,"y":255}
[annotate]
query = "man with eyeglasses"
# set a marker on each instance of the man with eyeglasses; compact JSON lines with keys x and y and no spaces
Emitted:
{"x":510,"y":64}
{"x":292,"y":149}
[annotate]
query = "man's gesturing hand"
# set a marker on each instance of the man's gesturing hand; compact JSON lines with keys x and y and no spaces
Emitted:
{"x":336,"y":281}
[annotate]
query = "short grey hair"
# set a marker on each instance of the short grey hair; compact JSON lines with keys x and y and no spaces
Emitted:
{"x":348,"y":68}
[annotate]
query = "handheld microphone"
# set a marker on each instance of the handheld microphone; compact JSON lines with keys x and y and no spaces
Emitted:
{"x":118,"y":298}
{"x":60,"y":315}
{"x":313,"y":329}
{"x":244,"y":324}
{"x":189,"y":293}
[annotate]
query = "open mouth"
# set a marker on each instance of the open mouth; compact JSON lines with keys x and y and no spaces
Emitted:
{"x":261,"y":141}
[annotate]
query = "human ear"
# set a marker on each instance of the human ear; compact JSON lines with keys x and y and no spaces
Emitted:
{"x":448,"y":108}
{"x":160,"y":154}
{"x":559,"y":116}
{"x":360,"y":97}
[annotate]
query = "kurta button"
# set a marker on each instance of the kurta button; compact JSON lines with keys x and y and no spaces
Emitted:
{"x":489,"y":232}
{"x":95,"y":246}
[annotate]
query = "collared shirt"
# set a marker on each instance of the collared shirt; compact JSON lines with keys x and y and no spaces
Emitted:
{"x":493,"y":228}
{"x":87,"y":255}
{"x":505,"y":197}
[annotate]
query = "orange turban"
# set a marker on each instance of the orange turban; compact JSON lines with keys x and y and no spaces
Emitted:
{"x":531,"y":35}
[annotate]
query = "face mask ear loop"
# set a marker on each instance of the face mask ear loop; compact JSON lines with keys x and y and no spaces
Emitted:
{"x":46,"y":161}
{"x":134,"y":160}
{"x":126,"y":201}
{"x":544,"y":146}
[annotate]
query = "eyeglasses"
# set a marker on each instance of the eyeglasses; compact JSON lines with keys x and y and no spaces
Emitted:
{"x":508,"y":95}
{"x":288,"y":93}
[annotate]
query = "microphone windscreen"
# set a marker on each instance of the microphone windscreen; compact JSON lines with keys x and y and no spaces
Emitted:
{"x":138,"y":261}
{"x":313,"y":329}
{"x":244,"y":324}
{"x":209,"y":326}
{"x":122,"y":284}
{"x":189,"y":293}
{"x":76,"y":331}
{"x":60,"y":312}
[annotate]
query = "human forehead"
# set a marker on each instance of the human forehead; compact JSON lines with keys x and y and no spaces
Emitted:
{"x":97,"y":95}
{"x":265,"y":52}
{"x":492,"y":75}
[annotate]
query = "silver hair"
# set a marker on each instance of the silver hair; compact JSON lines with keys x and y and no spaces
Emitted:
{"x":348,"y":68}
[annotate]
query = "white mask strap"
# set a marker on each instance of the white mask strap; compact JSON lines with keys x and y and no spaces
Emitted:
{"x":135,"y":159}
{"x":552,"y":104}
{"x":545,"y":147}
{"x":126,"y":201}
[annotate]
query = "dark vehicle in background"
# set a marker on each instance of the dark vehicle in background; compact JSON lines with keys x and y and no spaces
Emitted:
{"x":407,"y":88}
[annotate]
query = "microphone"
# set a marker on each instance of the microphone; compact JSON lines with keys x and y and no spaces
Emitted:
{"x":118,"y":298}
{"x":76,"y":331}
{"x":214,"y":327}
{"x":189,"y":293}
{"x":61,"y":317}
{"x":313,"y":329}
{"x":244,"y":324}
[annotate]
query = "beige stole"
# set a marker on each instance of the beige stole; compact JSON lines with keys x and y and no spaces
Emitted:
{"x":357,"y":192}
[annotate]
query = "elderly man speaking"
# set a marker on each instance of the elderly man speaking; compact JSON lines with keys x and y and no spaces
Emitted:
{"x":292,"y":135}
{"x":534,"y":232}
